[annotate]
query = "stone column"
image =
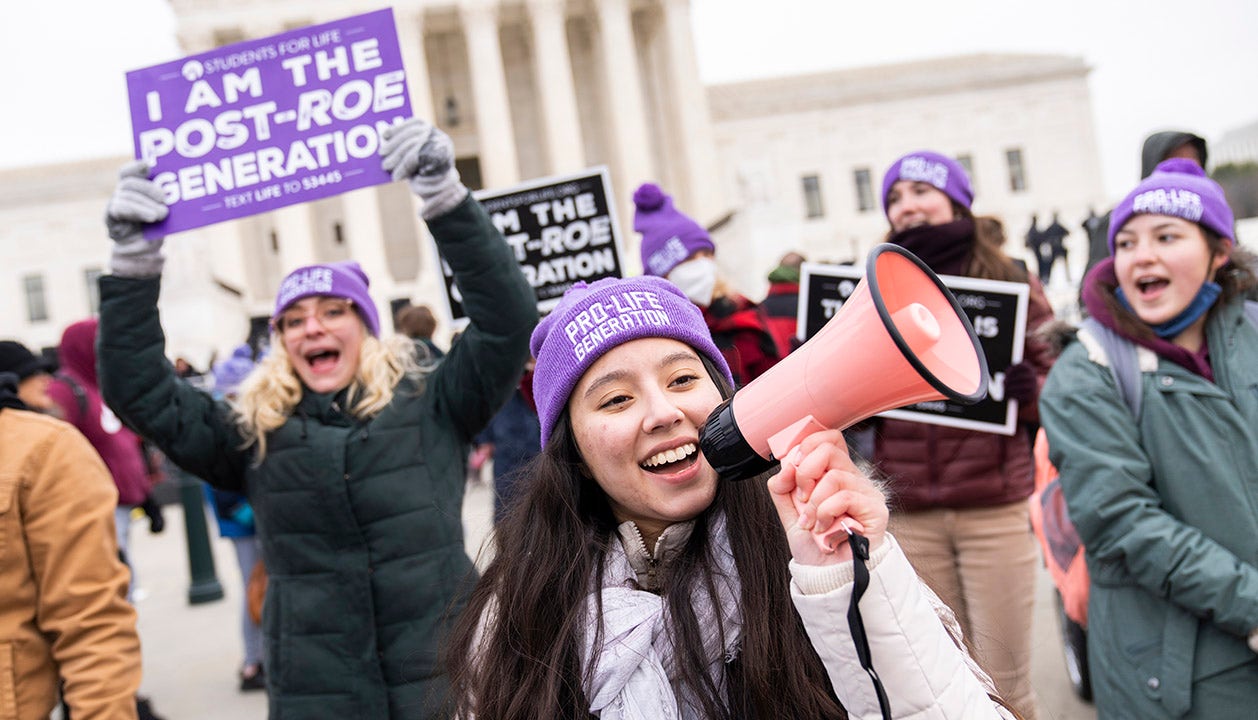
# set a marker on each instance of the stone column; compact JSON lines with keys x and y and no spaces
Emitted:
{"x":411,"y":23}
{"x":701,"y":185}
{"x":626,"y":114}
{"x":194,"y":40}
{"x":429,"y":285}
{"x":366,"y":247}
{"x":294,"y":227}
{"x":410,"y":32}
{"x":554,"y":73}
{"x":499,"y":165}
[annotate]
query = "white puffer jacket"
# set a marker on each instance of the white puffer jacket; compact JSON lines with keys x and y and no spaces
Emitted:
{"x":926,"y":674}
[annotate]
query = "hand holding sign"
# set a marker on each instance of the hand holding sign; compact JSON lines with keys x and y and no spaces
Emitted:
{"x":420,"y":153}
{"x":137,"y":202}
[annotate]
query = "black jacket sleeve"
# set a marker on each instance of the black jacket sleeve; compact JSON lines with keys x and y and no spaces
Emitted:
{"x":140,"y":385}
{"x":483,"y":367}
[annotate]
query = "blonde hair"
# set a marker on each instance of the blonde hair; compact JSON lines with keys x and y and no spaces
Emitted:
{"x":272,"y":390}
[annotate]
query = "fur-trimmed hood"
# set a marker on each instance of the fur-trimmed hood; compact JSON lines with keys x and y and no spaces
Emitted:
{"x":1056,"y":335}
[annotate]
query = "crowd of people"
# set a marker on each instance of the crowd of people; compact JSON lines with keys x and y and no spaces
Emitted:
{"x":628,"y":580}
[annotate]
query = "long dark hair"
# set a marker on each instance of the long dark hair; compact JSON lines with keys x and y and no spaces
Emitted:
{"x":516,"y":651}
{"x":1236,"y":277}
{"x":988,"y":259}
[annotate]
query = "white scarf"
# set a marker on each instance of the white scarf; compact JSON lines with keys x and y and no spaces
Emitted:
{"x":632,"y":676}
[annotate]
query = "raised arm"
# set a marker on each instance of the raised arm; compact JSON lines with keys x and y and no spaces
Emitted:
{"x":483,"y":367}
{"x":136,"y":379}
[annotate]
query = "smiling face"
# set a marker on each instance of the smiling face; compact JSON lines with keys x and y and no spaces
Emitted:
{"x":322,"y":337}
{"x":636,"y":415}
{"x":1161,"y":262}
{"x":911,"y":203}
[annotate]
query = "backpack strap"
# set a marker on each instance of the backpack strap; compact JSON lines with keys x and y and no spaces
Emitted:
{"x":80,"y":395}
{"x":1123,"y":364}
{"x":1251,"y":312}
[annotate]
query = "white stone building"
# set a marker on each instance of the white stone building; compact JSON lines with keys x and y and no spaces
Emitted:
{"x":529,"y":88}
{"x":1238,"y":145}
{"x":805,"y":156}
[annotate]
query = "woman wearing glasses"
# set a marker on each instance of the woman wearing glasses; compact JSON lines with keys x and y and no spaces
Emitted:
{"x":350,"y":450}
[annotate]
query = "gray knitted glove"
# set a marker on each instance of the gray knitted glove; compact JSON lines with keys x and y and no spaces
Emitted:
{"x":420,"y":153}
{"x":136,"y":202}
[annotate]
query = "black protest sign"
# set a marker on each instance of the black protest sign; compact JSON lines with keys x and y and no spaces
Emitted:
{"x":997,"y":311}
{"x":561,"y":229}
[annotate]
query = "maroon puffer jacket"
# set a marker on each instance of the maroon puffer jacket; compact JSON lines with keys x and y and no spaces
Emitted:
{"x":931,"y":466}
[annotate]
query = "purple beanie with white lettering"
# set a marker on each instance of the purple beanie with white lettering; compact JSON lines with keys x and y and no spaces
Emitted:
{"x":1179,"y":188}
{"x":230,"y":373}
{"x":932,"y":168}
{"x":339,"y":279}
{"x":669,"y":236}
{"x":592,"y":319}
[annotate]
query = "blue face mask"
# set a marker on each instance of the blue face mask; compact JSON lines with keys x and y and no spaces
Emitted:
{"x":1206,"y":295}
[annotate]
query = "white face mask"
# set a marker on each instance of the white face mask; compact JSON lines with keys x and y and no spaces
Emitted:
{"x":697,"y":279}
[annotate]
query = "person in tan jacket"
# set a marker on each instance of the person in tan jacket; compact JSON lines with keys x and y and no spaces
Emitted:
{"x":65,"y":623}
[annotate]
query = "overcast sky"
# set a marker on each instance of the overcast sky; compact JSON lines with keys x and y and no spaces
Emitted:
{"x":1157,"y":64}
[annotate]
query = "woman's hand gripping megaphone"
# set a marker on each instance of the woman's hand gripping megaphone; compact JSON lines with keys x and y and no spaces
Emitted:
{"x":821,"y":496}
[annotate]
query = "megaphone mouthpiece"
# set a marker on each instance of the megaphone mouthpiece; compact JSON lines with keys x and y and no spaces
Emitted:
{"x":917,"y":324}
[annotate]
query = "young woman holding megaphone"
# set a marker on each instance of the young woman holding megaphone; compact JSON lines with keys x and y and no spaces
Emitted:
{"x":629,"y":581}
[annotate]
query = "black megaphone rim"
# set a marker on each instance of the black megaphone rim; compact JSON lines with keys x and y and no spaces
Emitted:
{"x":875,"y":292}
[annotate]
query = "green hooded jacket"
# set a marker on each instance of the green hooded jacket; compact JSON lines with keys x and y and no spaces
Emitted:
{"x":1167,"y":507}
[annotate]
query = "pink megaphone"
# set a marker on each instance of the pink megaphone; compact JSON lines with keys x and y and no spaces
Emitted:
{"x":900,"y":338}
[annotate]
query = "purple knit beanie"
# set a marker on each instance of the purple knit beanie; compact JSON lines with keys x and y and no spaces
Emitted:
{"x":340,"y":279}
{"x":229,"y":373}
{"x":592,"y":319}
{"x":669,"y":237}
{"x":932,"y":168}
{"x":1179,"y":188}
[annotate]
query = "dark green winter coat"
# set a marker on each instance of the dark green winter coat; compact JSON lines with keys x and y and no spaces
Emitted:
{"x":360,"y":522}
{"x":1167,"y":508}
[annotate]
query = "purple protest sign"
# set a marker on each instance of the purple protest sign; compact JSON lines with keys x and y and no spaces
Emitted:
{"x":267,"y":123}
